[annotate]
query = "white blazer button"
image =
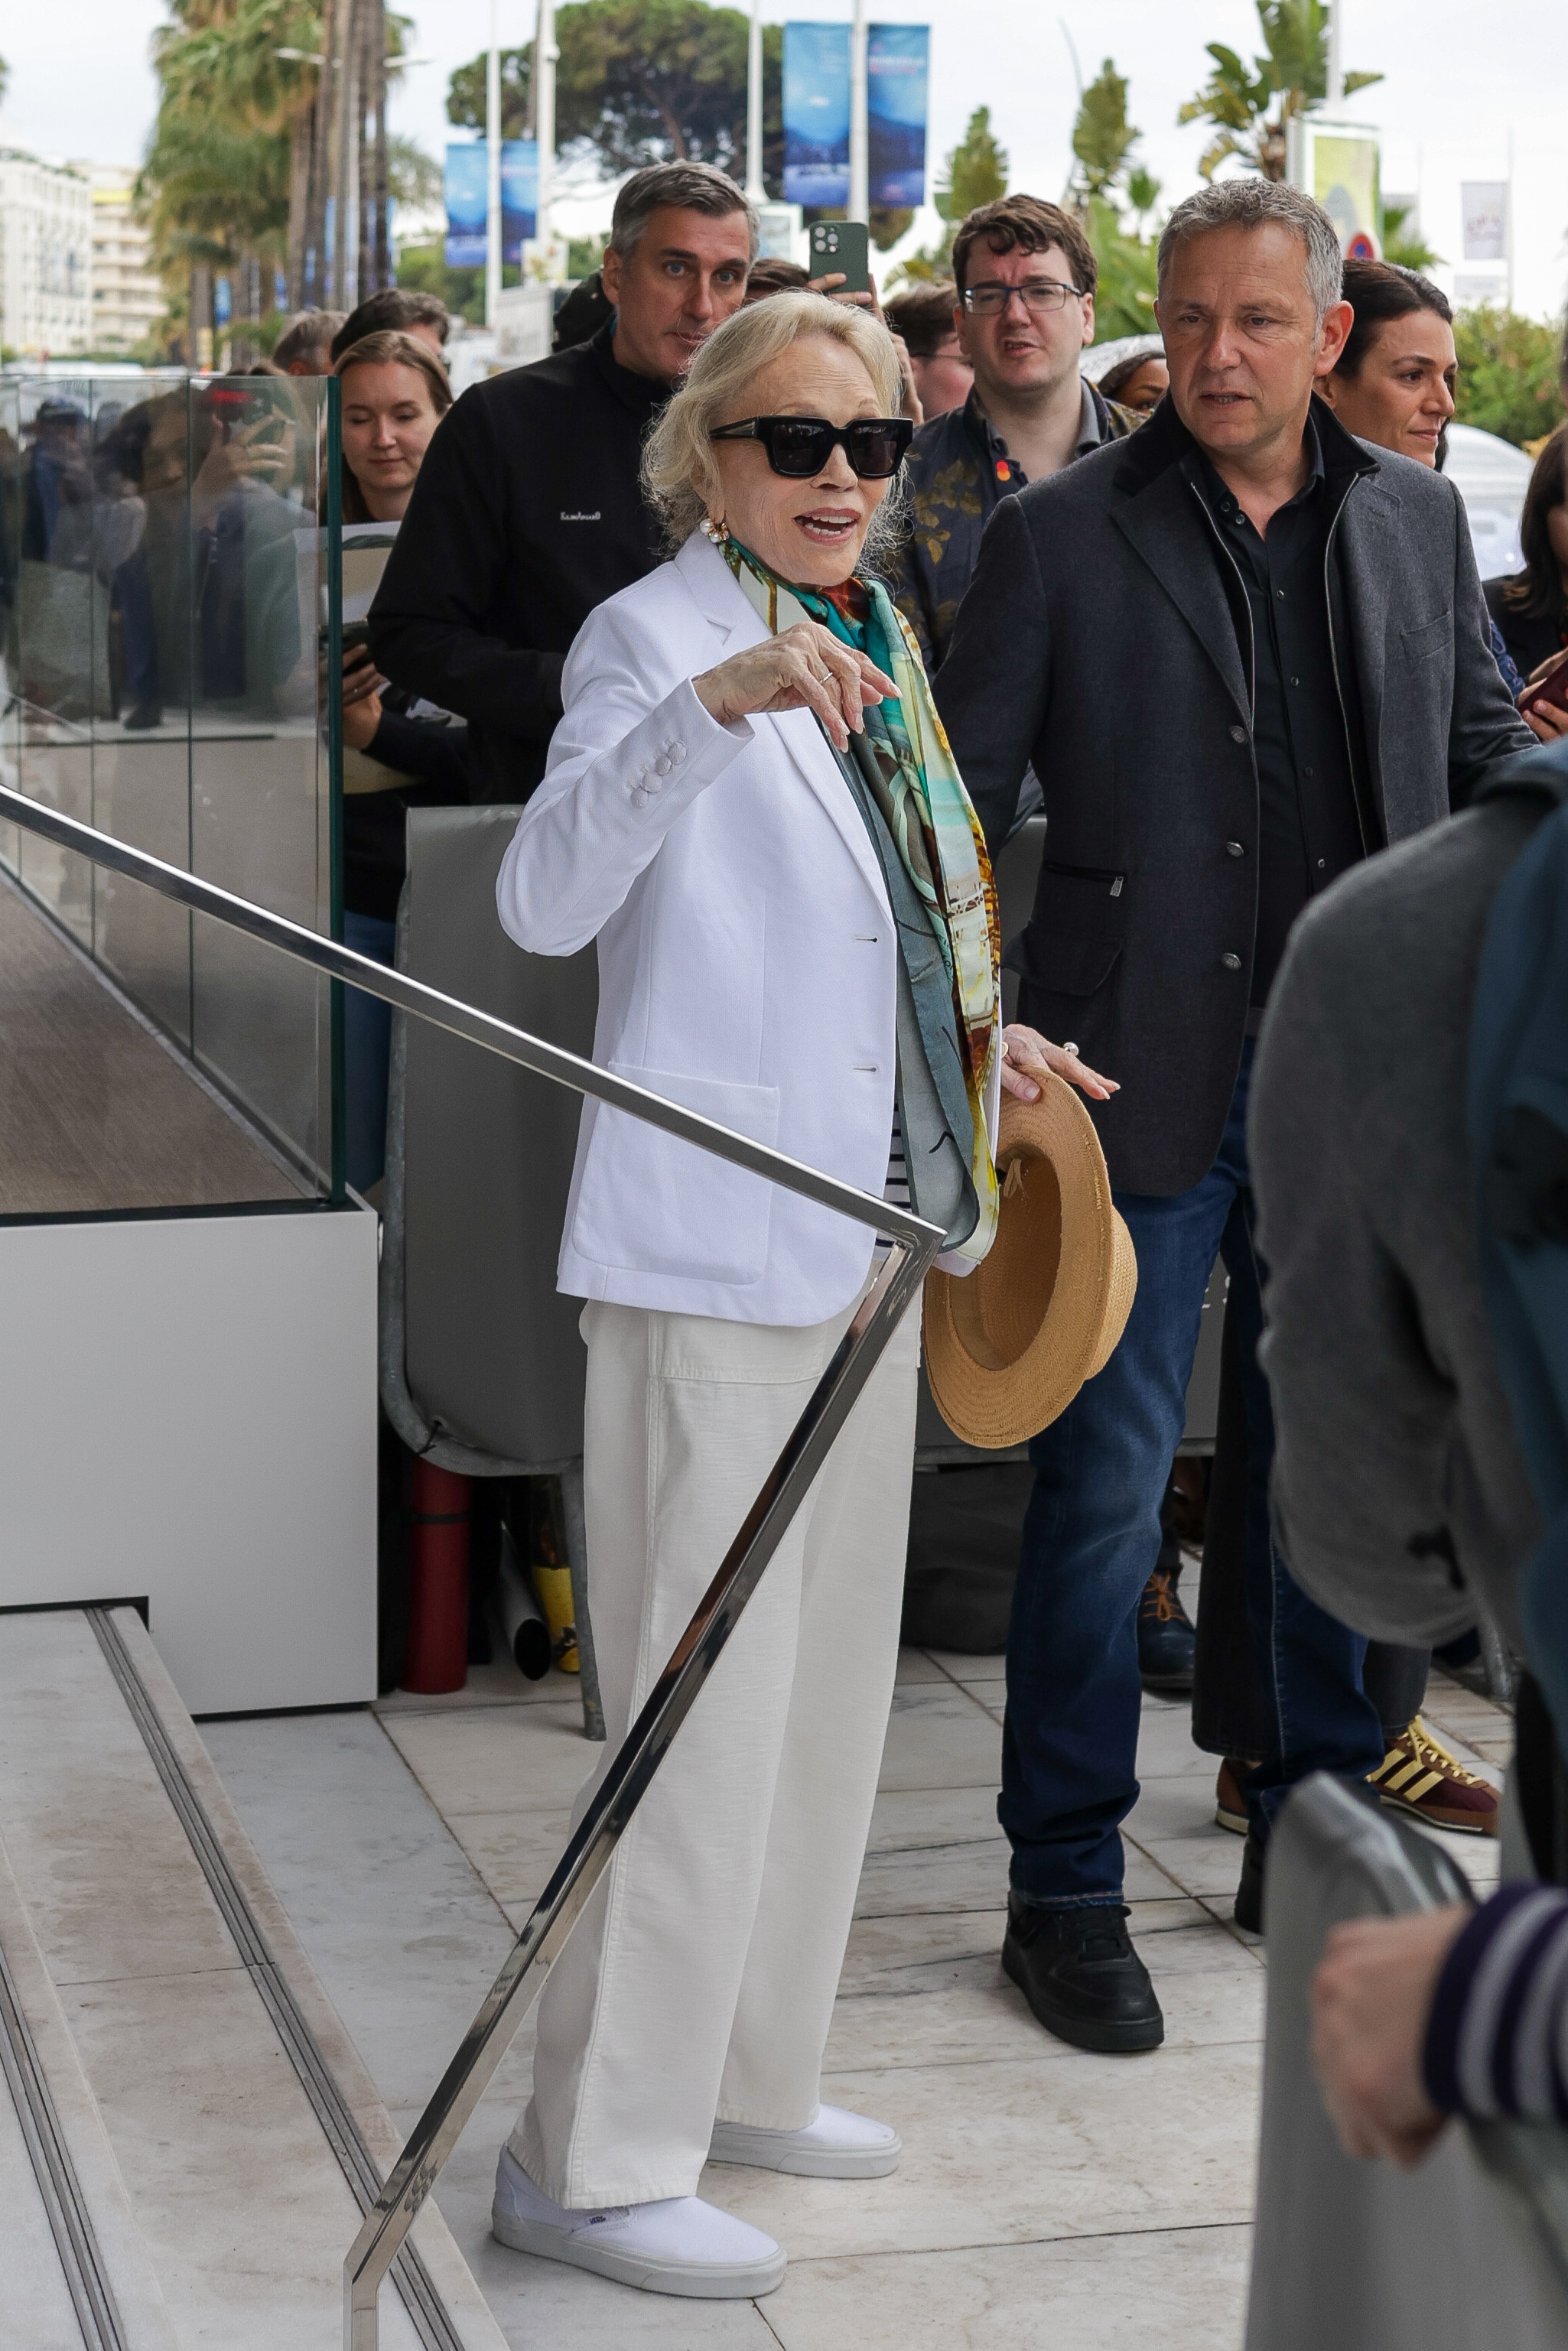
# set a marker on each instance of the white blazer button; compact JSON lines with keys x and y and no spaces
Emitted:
{"x":662,"y":767}
{"x":639,"y":796}
{"x":677,"y":751}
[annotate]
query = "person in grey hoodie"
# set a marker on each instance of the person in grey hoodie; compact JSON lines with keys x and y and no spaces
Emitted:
{"x":1400,"y":1493}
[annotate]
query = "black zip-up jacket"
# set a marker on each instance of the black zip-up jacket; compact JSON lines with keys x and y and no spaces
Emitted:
{"x":1097,"y":643}
{"x":526,"y":515}
{"x":437,"y":760}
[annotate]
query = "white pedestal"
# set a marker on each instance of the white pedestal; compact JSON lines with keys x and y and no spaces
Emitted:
{"x":188,"y":1414}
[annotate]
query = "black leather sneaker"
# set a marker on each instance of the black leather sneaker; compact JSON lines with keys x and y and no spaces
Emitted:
{"x":1167,"y":1643}
{"x":1248,"y":1909}
{"x":1079,"y":1973}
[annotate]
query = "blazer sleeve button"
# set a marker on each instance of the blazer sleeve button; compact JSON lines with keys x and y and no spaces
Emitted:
{"x":1231,"y":962}
{"x":1234,"y":848}
{"x":1239,"y":733}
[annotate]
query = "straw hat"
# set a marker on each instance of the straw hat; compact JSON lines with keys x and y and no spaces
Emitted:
{"x":1009,"y":1346}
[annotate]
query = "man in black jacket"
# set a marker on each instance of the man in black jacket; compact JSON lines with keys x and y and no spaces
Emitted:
{"x":1242,"y":652}
{"x":527,"y":512}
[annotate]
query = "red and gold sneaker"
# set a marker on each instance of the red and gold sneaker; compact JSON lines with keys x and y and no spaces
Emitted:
{"x":1418,"y":1775}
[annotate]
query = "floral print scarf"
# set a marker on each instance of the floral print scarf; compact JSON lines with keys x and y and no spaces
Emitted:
{"x":931,"y":819}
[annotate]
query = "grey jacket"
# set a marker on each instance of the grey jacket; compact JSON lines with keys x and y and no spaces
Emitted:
{"x":1397,"y":1482}
{"x":1097,"y":641}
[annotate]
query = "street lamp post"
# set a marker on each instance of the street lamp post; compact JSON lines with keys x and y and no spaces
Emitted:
{"x":545,"y":56}
{"x":859,"y":159}
{"x":755,"y":191}
{"x":493,"y":160}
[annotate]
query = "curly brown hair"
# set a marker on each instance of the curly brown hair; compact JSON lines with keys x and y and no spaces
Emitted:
{"x":1030,"y":225}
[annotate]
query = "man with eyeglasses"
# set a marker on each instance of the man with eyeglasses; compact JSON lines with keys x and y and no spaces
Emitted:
{"x":1025,"y":278}
{"x":528,"y":509}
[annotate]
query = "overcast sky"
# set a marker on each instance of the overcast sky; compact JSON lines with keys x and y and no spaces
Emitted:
{"x":1459,"y":81}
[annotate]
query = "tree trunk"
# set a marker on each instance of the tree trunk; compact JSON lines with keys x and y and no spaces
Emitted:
{"x":345,"y":153}
{"x":313,"y":274}
{"x":298,"y":207}
{"x":381,"y":237}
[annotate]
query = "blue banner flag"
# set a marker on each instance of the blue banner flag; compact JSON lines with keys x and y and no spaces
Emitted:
{"x":468,"y":200}
{"x":816,"y":114}
{"x":897,"y":76}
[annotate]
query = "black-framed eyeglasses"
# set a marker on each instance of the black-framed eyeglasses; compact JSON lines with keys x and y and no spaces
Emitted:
{"x":799,"y":446}
{"x":1037,"y":295}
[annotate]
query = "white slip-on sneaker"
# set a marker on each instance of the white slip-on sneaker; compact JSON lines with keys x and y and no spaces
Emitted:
{"x":679,"y":2246}
{"x":834,"y":2145}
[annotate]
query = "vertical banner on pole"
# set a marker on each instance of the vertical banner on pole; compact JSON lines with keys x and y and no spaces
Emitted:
{"x":468,"y":200}
{"x":1483,"y":207}
{"x":520,"y":196}
{"x":817,"y":115}
{"x":468,"y":203}
{"x":897,"y":81}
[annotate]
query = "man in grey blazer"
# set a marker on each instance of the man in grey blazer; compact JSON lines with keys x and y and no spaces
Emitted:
{"x":1242,"y":652}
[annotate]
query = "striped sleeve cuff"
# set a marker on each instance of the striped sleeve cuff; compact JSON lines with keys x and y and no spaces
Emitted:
{"x":1497,"y":2039}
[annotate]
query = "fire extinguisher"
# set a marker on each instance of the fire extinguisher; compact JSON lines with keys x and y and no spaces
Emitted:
{"x":441,"y":1529}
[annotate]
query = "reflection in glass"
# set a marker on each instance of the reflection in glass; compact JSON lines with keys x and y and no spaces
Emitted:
{"x":162,"y":586}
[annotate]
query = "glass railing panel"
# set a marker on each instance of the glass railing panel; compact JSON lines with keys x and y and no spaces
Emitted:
{"x":163,"y":588}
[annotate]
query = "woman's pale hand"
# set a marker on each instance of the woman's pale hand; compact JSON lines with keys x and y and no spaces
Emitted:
{"x":1024,"y":1050}
{"x":802,"y":668}
{"x":1371,"y":1998}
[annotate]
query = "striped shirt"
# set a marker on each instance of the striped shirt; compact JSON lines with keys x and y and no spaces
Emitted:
{"x":1497,"y":2039}
{"x":896,"y":1189}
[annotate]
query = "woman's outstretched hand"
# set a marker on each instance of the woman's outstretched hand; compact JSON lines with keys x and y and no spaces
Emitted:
{"x":802,"y":668}
{"x":1024,"y":1050}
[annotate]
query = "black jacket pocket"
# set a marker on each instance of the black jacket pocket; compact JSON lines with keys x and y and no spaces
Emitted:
{"x":1063,"y":963}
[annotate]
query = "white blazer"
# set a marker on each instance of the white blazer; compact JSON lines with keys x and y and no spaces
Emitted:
{"x":745,"y":962}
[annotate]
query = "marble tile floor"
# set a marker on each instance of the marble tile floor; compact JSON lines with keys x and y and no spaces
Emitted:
{"x":1047,"y":2199}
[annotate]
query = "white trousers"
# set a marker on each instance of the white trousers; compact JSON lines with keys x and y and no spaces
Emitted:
{"x":700,"y":1981}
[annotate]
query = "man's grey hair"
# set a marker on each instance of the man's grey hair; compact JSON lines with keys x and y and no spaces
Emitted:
{"x":1251,"y":203}
{"x":690,"y":187}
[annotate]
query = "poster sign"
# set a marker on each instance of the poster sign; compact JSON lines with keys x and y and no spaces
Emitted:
{"x":1344,"y":182}
{"x":816,"y":114}
{"x":897,"y":78}
{"x":468,"y":200}
{"x":1483,"y":206}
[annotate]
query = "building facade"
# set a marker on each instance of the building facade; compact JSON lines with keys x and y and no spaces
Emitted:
{"x":46,"y":256}
{"x":128,"y":296}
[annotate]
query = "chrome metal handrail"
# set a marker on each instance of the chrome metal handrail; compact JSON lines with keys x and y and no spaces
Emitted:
{"x":630,"y":1772}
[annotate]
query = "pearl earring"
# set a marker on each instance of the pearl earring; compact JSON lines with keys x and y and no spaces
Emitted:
{"x":715,"y":531}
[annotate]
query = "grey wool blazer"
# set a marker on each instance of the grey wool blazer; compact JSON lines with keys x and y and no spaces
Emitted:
{"x":1096,"y":640}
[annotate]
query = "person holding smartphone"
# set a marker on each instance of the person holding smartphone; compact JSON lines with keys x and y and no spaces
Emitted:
{"x":397,"y":752}
{"x":1530,"y":608}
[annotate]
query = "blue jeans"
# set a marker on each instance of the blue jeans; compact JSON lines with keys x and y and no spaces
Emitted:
{"x":1091,"y":1539}
{"x":367,"y":1051}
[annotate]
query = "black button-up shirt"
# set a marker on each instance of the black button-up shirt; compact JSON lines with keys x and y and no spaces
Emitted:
{"x":1304,"y":736}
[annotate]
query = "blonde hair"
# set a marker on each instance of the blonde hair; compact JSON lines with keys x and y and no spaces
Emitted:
{"x":679,"y":472}
{"x":389,"y":347}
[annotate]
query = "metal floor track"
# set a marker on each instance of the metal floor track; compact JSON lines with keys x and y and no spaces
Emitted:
{"x":426,"y":2308}
{"x":86,"y":2280}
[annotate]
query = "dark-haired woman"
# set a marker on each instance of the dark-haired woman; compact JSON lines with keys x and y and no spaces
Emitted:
{"x":397,"y":753}
{"x":1530,"y":607}
{"x":1393,"y":385}
{"x":1395,"y":381}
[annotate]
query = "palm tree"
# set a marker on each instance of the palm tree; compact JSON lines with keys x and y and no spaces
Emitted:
{"x":1251,"y":110}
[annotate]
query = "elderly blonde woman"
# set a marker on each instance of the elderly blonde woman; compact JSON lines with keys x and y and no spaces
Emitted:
{"x":751,"y":805}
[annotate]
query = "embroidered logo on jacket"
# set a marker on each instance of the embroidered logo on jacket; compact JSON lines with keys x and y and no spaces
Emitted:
{"x":595,"y":517}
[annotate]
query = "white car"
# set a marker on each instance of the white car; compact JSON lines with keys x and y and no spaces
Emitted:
{"x":1492,"y":477}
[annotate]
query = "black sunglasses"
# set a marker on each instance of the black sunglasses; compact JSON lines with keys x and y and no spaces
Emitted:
{"x":799,"y":446}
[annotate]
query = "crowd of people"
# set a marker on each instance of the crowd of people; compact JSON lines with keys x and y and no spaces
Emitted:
{"x":778,"y":612}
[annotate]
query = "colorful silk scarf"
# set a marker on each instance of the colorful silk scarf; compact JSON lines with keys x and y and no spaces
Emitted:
{"x":931,"y":819}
